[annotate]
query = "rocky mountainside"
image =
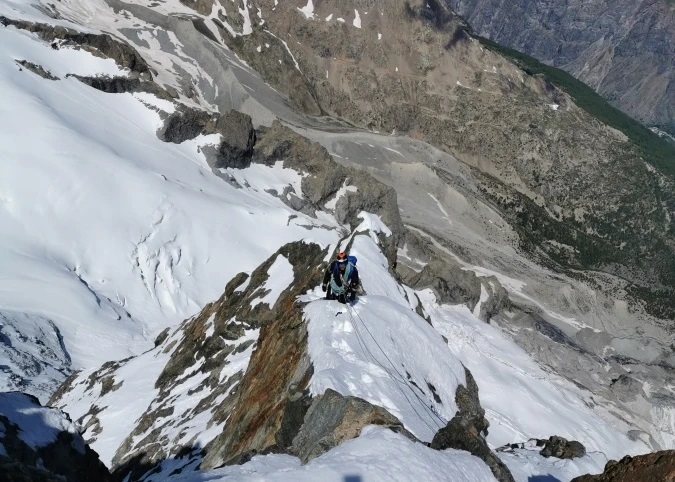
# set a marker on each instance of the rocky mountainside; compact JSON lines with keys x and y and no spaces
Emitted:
{"x":624,"y":49}
{"x":574,"y":189}
{"x":182,"y":145}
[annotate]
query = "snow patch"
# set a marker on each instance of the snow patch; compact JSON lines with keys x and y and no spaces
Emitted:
{"x":483,"y":298}
{"x":357,"y":19}
{"x":308,"y":10}
{"x":374,"y":224}
{"x":280,"y":277}
{"x":341,"y":192}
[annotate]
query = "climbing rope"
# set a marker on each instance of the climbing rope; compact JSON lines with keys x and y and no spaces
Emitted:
{"x":398,"y":379}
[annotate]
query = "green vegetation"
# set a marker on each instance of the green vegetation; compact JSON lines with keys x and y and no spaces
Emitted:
{"x":573,"y":249}
{"x":656,"y":150}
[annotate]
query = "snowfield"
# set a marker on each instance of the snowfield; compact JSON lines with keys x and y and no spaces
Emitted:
{"x":108,"y":232}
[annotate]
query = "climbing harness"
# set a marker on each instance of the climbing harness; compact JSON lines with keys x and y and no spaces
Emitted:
{"x":340,"y":289}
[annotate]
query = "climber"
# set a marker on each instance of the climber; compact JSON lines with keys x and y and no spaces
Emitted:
{"x":341,"y":279}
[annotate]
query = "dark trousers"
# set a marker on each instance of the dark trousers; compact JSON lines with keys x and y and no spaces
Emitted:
{"x":344,"y":298}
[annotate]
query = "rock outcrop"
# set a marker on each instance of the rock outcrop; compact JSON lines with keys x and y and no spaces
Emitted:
{"x":467,"y":431}
{"x":325,"y":178}
{"x":39,"y":443}
{"x":235,"y":148}
{"x":623,"y":49}
{"x":450,"y":282}
{"x":332,"y":419}
{"x":656,"y":467}
{"x":119,"y":85}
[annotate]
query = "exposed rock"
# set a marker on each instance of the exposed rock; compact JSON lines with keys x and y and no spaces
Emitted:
{"x":451,"y":283}
{"x":656,"y":467}
{"x":37,"y":69}
{"x":326,"y":177}
{"x":562,"y":448}
{"x":467,"y":430}
{"x":98,"y":44}
{"x":42,"y":444}
{"x":119,"y":85}
{"x":236,"y":130}
{"x":279,"y":370}
{"x":185,"y":124}
{"x":238,"y":137}
{"x":470,"y":413}
{"x":333,"y":419}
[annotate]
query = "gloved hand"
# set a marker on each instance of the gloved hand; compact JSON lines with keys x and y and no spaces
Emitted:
{"x":324,"y":288}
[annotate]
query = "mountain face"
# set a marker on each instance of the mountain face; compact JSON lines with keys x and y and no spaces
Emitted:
{"x":623,"y":49}
{"x":574,"y":188}
{"x":192,"y":167}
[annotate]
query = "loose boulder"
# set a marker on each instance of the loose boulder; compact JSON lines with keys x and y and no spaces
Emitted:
{"x":562,"y":448}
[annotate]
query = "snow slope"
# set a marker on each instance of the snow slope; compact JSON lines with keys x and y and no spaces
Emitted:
{"x":38,"y":426}
{"x":382,"y":351}
{"x":377,"y":455}
{"x":108,"y":232}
